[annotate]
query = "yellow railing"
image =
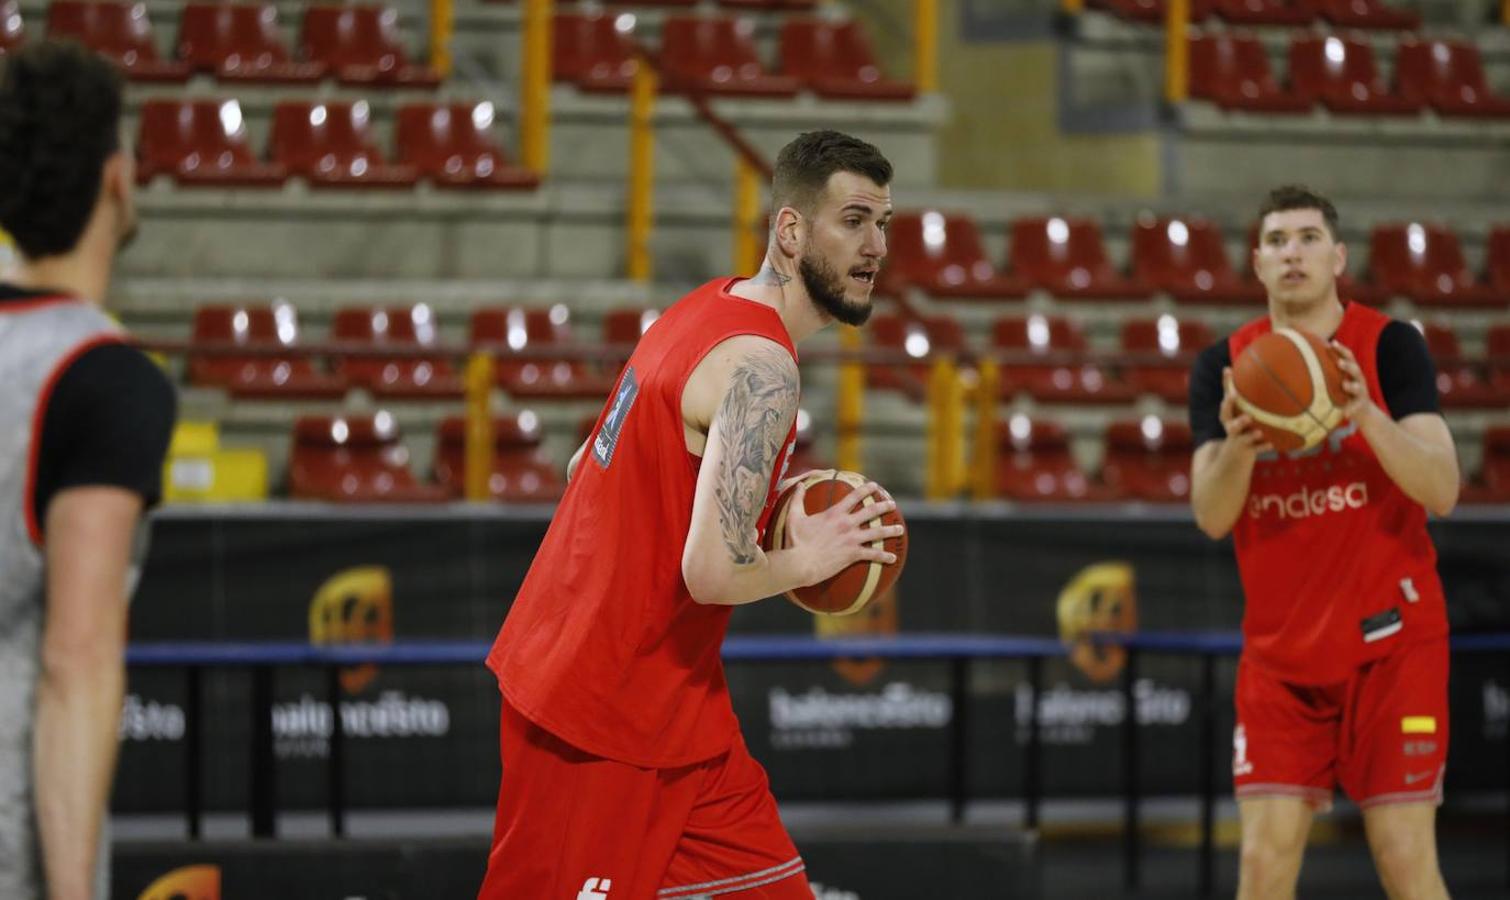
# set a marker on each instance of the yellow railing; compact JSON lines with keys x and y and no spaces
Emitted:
{"x":1176,"y":50}
{"x":925,"y":36}
{"x":748,"y":245}
{"x":535,"y":86}
{"x":442,"y":25}
{"x":1505,"y":11}
{"x":641,"y":171}
{"x":478,"y":452}
{"x":946,"y":420}
{"x":850,"y":415}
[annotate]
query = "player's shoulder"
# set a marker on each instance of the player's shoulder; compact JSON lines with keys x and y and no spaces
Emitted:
{"x":121,"y":370}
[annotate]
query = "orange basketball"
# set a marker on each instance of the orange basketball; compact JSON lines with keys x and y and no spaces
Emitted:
{"x":1289,"y":383}
{"x":857,"y":584}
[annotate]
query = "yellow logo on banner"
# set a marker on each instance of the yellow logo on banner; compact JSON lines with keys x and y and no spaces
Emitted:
{"x":1101,"y":597}
{"x":878,"y":617}
{"x":353,"y":606}
{"x":1418,"y":725}
{"x":188,"y":883}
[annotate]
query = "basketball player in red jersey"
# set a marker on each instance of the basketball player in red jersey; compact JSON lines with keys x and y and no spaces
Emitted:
{"x":624,"y":773}
{"x":1343,"y":677}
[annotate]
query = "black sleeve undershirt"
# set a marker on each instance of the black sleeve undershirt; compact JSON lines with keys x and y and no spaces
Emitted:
{"x":1206,"y":393}
{"x":108,"y":421}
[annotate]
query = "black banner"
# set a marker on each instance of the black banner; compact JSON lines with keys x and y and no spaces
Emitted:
{"x":428,"y":737}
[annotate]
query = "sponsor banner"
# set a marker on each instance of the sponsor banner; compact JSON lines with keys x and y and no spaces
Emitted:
{"x":428,"y":736}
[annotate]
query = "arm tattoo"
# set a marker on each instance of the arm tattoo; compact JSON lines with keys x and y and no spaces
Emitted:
{"x":768,"y":275}
{"x":753,"y":422}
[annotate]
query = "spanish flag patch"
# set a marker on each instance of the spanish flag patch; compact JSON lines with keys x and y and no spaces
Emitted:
{"x":1418,"y":725}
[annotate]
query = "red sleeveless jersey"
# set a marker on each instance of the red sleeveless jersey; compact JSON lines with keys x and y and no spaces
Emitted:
{"x":1336,"y":564}
{"x":604,"y":646}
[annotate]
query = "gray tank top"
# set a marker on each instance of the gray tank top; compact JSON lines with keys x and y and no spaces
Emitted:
{"x":36,"y":341}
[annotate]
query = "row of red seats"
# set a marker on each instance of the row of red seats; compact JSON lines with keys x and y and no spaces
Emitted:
{"x":203,"y":142}
{"x":236,"y":42}
{"x":831,"y":59}
{"x":1232,"y":70}
{"x":1149,"y":459}
{"x":1339,"y":13}
{"x":943,"y":255}
{"x":1462,"y":383}
{"x":267,"y":377}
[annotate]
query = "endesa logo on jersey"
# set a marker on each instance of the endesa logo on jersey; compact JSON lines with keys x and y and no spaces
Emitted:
{"x":1306,"y":503}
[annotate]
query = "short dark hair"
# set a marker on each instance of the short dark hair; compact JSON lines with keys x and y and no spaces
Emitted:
{"x":60,"y":113}
{"x":1295,"y":196}
{"x":804,"y":166}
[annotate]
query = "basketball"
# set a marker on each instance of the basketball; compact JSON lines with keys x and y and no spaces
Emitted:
{"x":1289,"y":383}
{"x":856,"y":585}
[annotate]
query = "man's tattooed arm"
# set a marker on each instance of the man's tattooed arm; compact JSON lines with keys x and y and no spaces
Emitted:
{"x":753,"y":421}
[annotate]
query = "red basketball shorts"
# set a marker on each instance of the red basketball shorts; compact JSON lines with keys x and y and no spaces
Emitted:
{"x":1381,"y":735}
{"x":573,"y":826}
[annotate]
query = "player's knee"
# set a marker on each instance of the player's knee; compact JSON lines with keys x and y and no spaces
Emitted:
{"x":1403,"y":856}
{"x":1268,"y":857}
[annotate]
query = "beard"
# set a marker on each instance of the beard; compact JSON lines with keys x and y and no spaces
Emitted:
{"x":826,"y":287}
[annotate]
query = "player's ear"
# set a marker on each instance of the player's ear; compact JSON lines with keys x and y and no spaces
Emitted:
{"x":1339,"y":259}
{"x":789,"y":232}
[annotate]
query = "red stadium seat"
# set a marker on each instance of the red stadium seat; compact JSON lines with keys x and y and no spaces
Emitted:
{"x":1365,"y":14}
{"x":200,"y":142}
{"x":717,"y":56}
{"x":453,"y":145}
{"x":240,"y":42}
{"x":1265,"y":12}
{"x":1449,"y":75}
{"x":654,"y":2}
{"x":1057,"y":382}
{"x":1187,"y":259}
{"x":626,"y":324}
{"x":1341,"y":73}
{"x":591,"y":52}
{"x":1497,"y":347}
{"x":1033,"y":462}
{"x":331,"y":145}
{"x":770,"y":5}
{"x":258,"y":377}
{"x":1497,"y":267}
{"x":521,"y":472}
{"x":917,"y":338}
{"x":354,"y":459}
{"x":117,"y":30}
{"x":12,"y":29}
{"x":1425,"y":263}
{"x":519,"y":328}
{"x":362,"y":45}
{"x":834,"y":59}
{"x":1152,"y":11}
{"x":1458,"y":384}
{"x":1232,"y":71}
{"x":1178,"y":341}
{"x":942,"y":254}
{"x":1495,"y":471}
{"x":1067,"y":258}
{"x":396,"y":326}
{"x":1148,"y":459}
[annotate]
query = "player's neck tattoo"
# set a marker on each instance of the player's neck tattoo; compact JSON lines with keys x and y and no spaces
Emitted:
{"x":769,"y":275}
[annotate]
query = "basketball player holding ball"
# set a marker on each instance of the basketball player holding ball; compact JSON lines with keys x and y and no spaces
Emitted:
{"x":1343,"y":675}
{"x":624,"y":773}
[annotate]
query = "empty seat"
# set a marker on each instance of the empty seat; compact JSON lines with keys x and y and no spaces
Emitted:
{"x":1232,"y":71}
{"x":118,"y":30}
{"x":1459,"y":384}
{"x":1425,"y":263}
{"x":240,"y":42}
{"x":1067,"y":258}
{"x":1449,"y":75}
{"x":1497,"y":348}
{"x":1150,"y":10}
{"x":1341,"y":73}
{"x":331,"y":145}
{"x":625,"y":325}
{"x":1365,"y":14}
{"x":1187,"y":259}
{"x":835,"y":59}
{"x":521,"y":472}
{"x":717,"y":56}
{"x":1497,"y":265}
{"x":12,"y":29}
{"x":942,"y":254}
{"x":770,"y":5}
{"x":1148,"y":459}
{"x":917,"y":338}
{"x":353,"y":459}
{"x":1265,"y":12}
{"x":1058,"y":381}
{"x":589,"y":50}
{"x":362,"y":45}
{"x":453,"y":145}
{"x":1033,"y":462}
{"x":200,"y":142}
{"x":655,"y":2}
{"x":1174,"y":344}
{"x":257,"y":377}
{"x":398,"y":376}
{"x":518,"y":329}
{"x":1494,"y":473}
